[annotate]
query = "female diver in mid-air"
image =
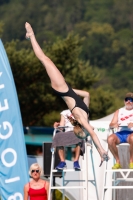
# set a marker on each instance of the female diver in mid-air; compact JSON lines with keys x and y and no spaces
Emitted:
{"x":61,"y":88}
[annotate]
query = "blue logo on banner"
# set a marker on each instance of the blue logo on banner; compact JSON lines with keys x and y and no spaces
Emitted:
{"x":13,"y":158}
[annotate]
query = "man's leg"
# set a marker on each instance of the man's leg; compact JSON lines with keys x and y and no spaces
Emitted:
{"x":76,"y":165}
{"x":77,"y":153}
{"x":61,"y":154}
{"x":130,"y":141}
{"x":113,"y":140}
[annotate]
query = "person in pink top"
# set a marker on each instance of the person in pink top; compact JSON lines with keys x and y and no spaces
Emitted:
{"x":36,"y":189}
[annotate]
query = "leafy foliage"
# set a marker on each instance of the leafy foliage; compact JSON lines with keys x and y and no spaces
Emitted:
{"x":89,"y":41}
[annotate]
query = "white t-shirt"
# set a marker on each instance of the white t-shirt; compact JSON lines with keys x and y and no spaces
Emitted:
{"x":66,"y":113}
{"x":124,"y":118}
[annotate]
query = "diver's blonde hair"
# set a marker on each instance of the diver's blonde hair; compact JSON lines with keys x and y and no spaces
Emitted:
{"x":78,"y":129}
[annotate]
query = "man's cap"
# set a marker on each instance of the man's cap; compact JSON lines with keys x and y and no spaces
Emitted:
{"x":129,"y":94}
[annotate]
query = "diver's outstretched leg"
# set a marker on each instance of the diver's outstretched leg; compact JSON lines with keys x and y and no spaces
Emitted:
{"x":56,"y":78}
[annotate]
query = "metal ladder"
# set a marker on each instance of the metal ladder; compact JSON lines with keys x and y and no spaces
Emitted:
{"x":65,"y":182}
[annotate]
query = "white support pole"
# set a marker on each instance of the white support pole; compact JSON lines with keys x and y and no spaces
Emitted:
{"x":52,"y":167}
{"x":86,"y":175}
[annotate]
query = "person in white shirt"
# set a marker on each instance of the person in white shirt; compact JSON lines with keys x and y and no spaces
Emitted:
{"x":123,"y":122}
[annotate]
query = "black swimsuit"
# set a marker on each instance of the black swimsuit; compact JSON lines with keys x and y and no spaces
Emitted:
{"x":78,"y":100}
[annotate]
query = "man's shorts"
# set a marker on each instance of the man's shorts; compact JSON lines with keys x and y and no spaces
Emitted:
{"x":123,"y":135}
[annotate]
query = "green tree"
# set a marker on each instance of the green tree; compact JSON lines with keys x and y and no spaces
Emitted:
{"x":98,"y":45}
{"x":103,"y":102}
{"x":1,"y":29}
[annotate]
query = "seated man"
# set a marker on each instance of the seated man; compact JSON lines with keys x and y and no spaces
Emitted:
{"x":123,"y":121}
{"x":68,"y":137}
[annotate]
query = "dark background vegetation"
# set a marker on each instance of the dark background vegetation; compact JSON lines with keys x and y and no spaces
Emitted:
{"x":90,"y":41}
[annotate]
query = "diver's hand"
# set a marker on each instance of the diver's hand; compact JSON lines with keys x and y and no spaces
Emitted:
{"x":104,"y":157}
